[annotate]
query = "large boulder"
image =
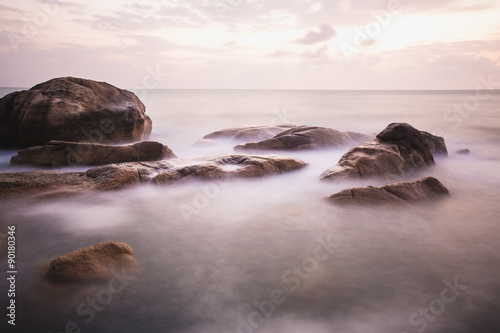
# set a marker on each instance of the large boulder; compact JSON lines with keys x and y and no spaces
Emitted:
{"x":96,"y":262}
{"x":123,"y":175}
{"x":402,"y":193}
{"x":72,"y":109}
{"x":398,"y":149}
{"x":61,"y":153}
{"x":304,"y":138}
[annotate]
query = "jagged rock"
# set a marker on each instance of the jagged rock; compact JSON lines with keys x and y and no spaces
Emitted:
{"x":305,"y":137}
{"x":72,"y":109}
{"x":402,"y":193}
{"x":398,"y":149}
{"x":96,"y":262}
{"x":61,"y":153}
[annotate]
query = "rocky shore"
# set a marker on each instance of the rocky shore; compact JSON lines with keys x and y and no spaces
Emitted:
{"x":76,"y":122}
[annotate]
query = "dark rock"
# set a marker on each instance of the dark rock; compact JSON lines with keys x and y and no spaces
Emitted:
{"x":74,"y":110}
{"x":305,"y":137}
{"x":92,"y":263}
{"x":61,"y":153}
{"x":403,"y":193}
{"x":398,"y":149}
{"x":463,"y":151}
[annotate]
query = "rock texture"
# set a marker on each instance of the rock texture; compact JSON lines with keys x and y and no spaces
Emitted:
{"x":398,"y":149}
{"x":72,"y":109}
{"x":61,"y":153}
{"x":95,"y":262}
{"x":403,"y":193}
{"x":123,"y":175}
{"x":305,"y":137}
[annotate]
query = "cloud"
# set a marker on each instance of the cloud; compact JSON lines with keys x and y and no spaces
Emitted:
{"x":326,"y":32}
{"x":367,"y":42}
{"x":318,"y":53}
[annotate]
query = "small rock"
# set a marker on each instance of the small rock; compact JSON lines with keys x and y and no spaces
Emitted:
{"x":463,"y":151}
{"x":92,"y":263}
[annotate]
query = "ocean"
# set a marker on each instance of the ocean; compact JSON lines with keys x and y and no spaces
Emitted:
{"x":269,"y":255}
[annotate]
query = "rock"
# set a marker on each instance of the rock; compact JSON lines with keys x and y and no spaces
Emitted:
{"x":123,"y":175}
{"x":72,"y":109}
{"x":246,"y":134}
{"x":463,"y":151}
{"x":403,"y":193}
{"x":398,"y":149}
{"x":230,"y":166}
{"x":304,"y":137}
{"x":92,"y":263}
{"x":61,"y":153}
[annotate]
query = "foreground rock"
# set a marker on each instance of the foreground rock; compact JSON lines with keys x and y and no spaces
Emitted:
{"x":398,"y":149}
{"x":246,"y":134}
{"x":230,"y":166}
{"x":61,"y":153}
{"x":403,"y":193}
{"x":123,"y":175}
{"x":306,"y":137}
{"x":96,"y":262}
{"x":72,"y":109}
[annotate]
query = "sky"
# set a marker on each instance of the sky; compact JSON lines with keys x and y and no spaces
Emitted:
{"x":252,"y":44}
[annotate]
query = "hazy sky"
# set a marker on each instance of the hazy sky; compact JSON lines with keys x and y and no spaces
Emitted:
{"x":256,"y":44}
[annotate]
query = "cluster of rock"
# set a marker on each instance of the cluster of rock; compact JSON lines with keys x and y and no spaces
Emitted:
{"x":71,"y":121}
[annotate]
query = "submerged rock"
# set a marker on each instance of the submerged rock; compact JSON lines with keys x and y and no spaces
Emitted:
{"x":398,"y":149}
{"x":123,"y":175}
{"x":245,"y":134}
{"x":463,"y":151}
{"x":306,"y":137}
{"x":72,"y":109}
{"x":96,"y":262}
{"x":61,"y":153}
{"x":402,"y":193}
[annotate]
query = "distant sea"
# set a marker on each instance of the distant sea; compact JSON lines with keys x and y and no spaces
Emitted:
{"x":218,"y":267}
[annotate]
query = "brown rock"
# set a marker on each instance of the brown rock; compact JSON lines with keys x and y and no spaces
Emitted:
{"x":403,"y":193}
{"x":398,"y":149}
{"x":95,"y":262}
{"x":245,"y":134}
{"x":72,"y":109}
{"x":61,"y":153}
{"x":303,"y":138}
{"x":230,"y":166}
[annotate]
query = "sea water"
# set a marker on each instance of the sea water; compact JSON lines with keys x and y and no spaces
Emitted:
{"x":269,"y":255}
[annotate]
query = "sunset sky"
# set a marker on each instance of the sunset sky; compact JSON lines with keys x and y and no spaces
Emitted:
{"x":252,"y":44}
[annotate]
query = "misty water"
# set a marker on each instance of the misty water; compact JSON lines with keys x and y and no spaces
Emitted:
{"x":269,"y":255}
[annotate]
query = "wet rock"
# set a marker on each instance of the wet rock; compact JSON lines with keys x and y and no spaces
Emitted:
{"x":463,"y":151}
{"x":304,"y":138}
{"x":402,"y":193}
{"x":96,"y":262}
{"x":72,"y":109}
{"x":398,"y":149}
{"x":61,"y":153}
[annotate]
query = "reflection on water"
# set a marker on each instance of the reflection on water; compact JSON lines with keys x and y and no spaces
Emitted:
{"x":269,"y":255}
